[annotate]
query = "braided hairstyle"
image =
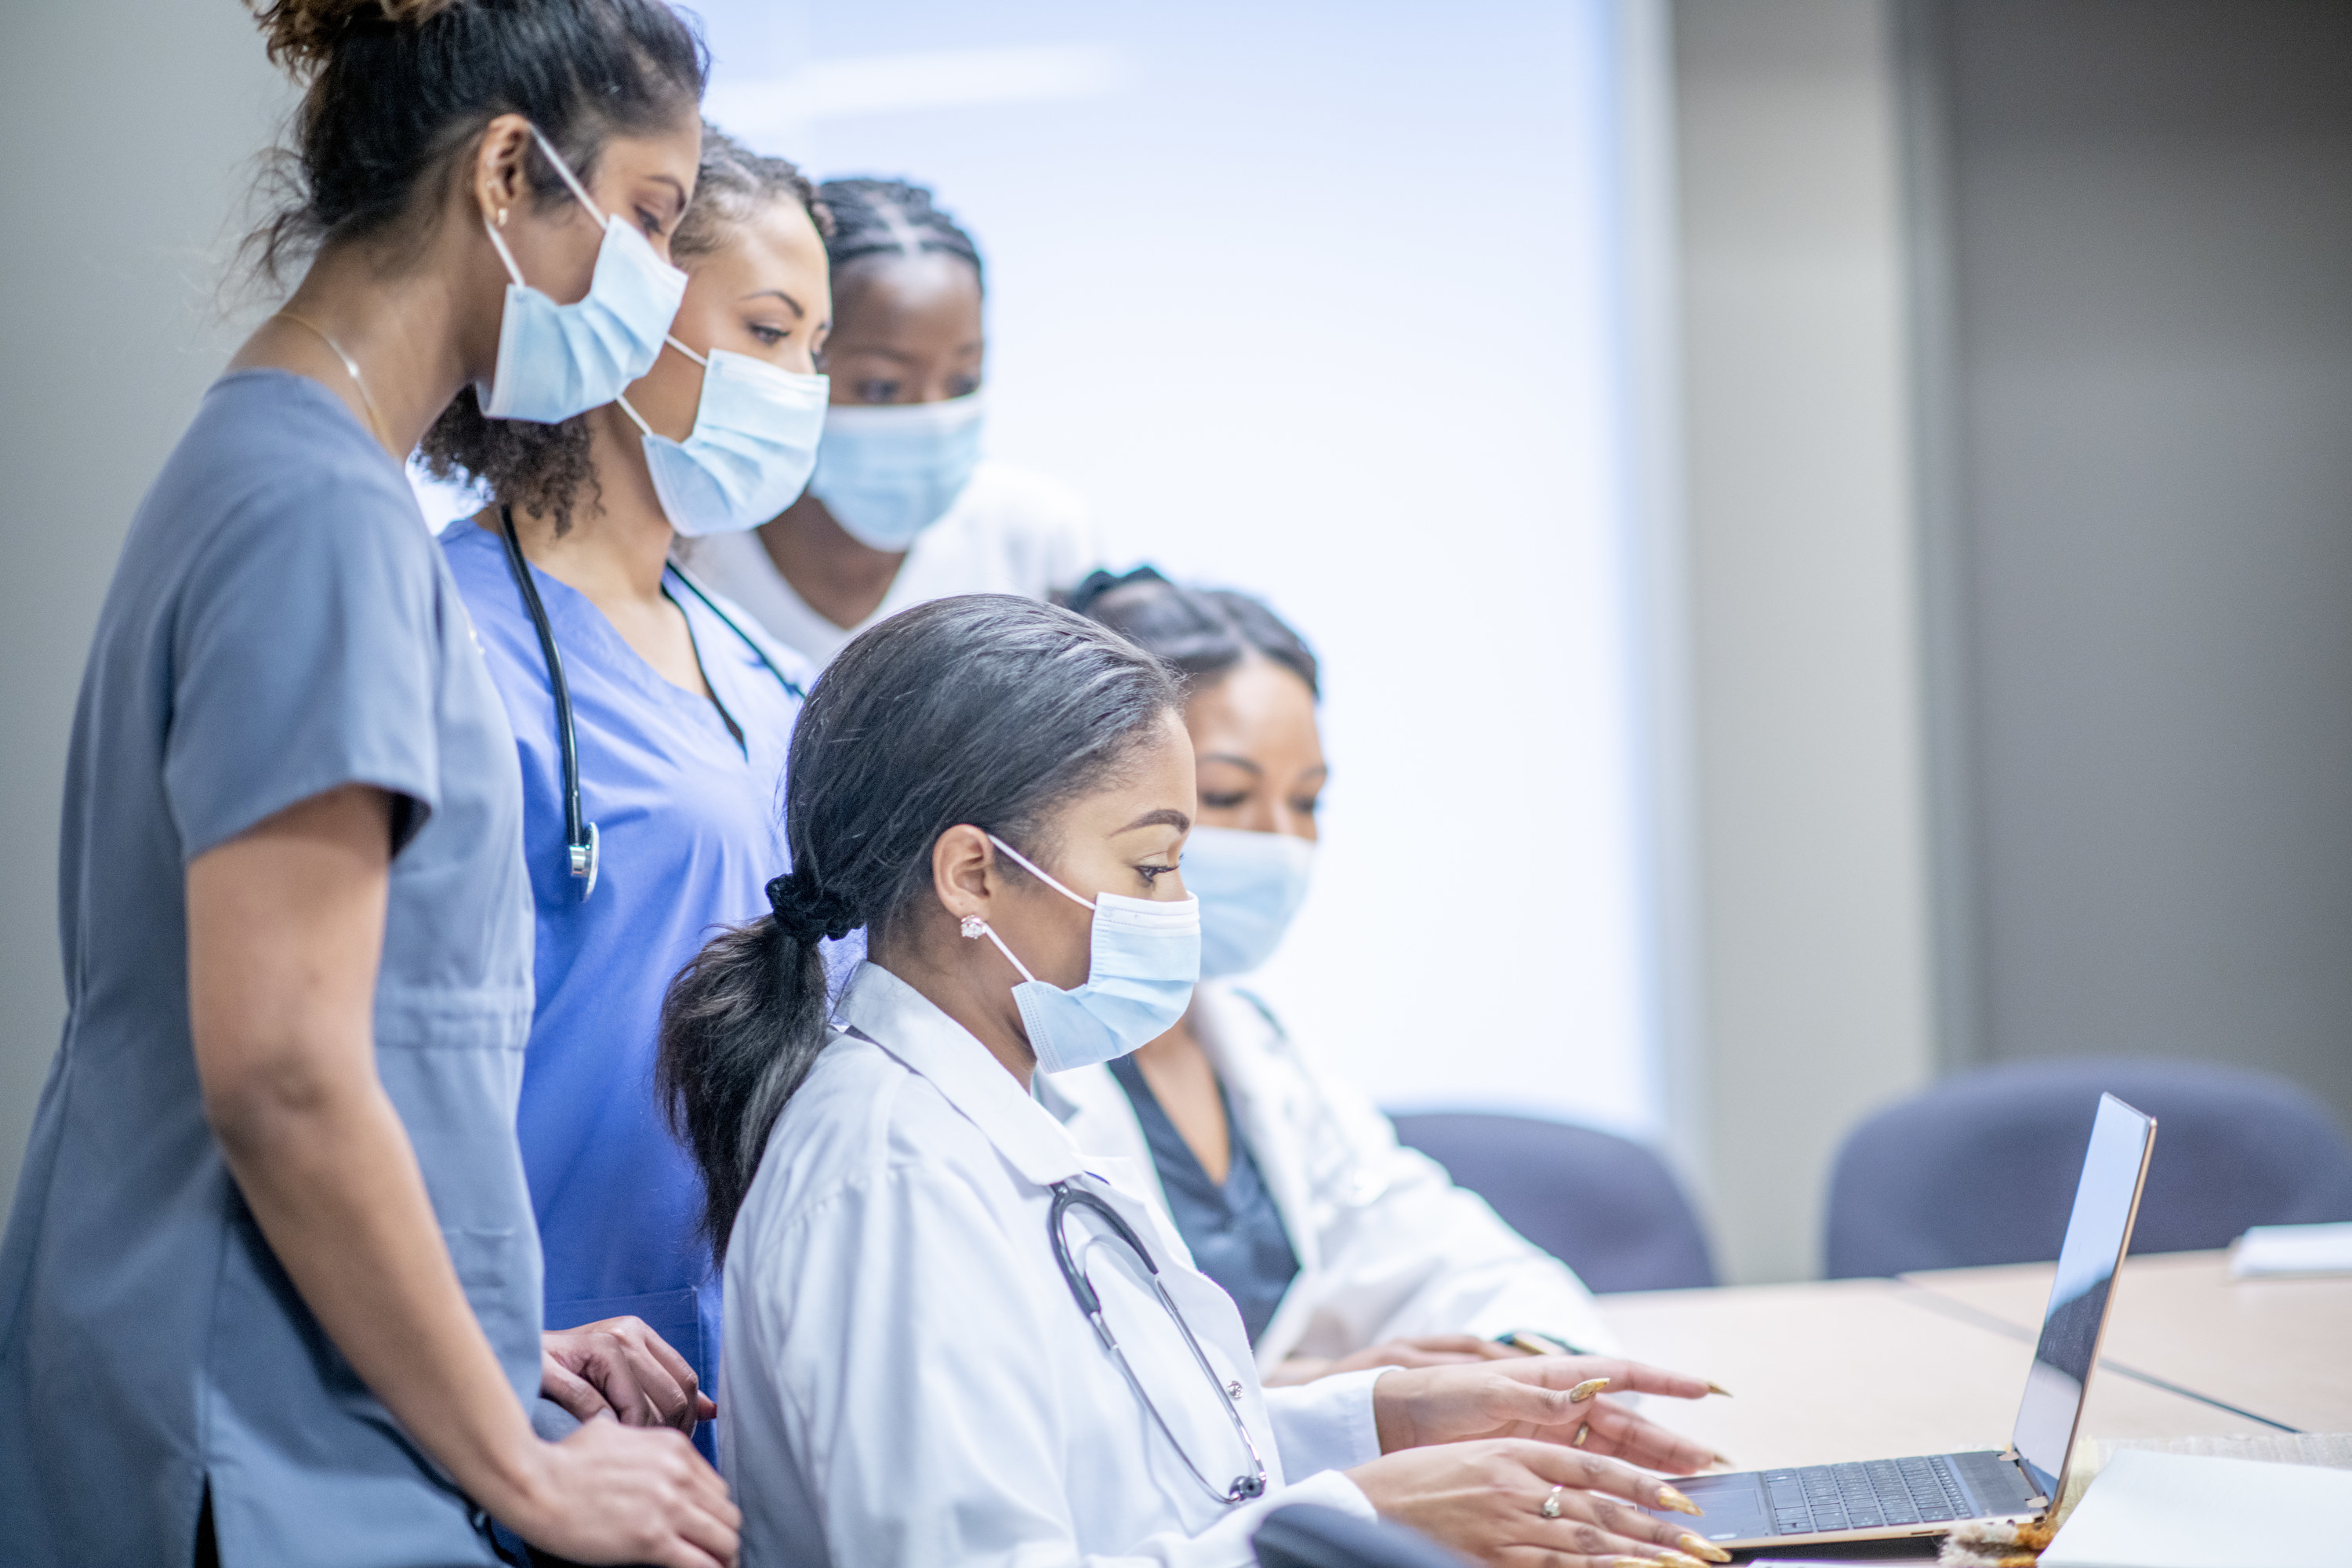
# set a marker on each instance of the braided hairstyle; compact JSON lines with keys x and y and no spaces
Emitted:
{"x":397,"y":91}
{"x":985,"y":708}
{"x":542,"y":468}
{"x":890,"y":218}
{"x":1202,"y":632}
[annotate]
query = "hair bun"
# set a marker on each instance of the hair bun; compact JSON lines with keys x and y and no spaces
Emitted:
{"x":806,"y":913}
{"x":302,"y":33}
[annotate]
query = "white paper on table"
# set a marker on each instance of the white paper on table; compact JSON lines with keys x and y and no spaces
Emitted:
{"x":2275,"y":1251}
{"x":2181,"y":1510}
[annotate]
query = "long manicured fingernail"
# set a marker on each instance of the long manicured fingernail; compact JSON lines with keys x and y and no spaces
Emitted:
{"x":1726,"y":1463}
{"x":1715,"y":1387}
{"x":1586,"y":1390}
{"x":1583,"y":1430}
{"x":1699,"y":1547}
{"x":1678,"y":1560}
{"x":1669,"y":1498}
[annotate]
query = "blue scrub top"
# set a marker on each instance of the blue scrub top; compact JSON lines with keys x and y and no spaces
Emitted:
{"x":689,"y":818}
{"x":279,"y":625}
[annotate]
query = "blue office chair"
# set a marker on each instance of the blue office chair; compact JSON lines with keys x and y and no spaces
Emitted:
{"x":1982,"y":1169}
{"x":1604,"y":1206}
{"x":1309,"y":1535}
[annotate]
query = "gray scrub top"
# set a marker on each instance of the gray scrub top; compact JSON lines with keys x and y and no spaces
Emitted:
{"x":280,"y":624}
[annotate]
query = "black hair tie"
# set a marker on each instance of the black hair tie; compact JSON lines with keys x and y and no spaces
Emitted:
{"x":806,"y":913}
{"x":1081,"y":599}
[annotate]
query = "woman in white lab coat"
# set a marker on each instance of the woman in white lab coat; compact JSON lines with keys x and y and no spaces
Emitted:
{"x":925,"y":1278}
{"x":1342,"y":1248}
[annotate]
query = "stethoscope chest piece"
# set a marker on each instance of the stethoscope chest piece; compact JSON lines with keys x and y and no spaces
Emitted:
{"x":583,"y":858}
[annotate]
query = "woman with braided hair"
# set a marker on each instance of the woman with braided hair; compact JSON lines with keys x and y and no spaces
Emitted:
{"x":952,"y":1338}
{"x":270,"y":1291}
{"x":903,"y":506}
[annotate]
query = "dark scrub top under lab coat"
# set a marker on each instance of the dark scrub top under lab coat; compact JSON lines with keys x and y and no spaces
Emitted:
{"x":280,"y":624}
{"x":1231,"y":1227}
{"x":689,"y":820}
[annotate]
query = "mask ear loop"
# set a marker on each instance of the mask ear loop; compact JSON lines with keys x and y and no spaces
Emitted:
{"x":578,"y":191}
{"x":640,"y":419}
{"x":1040,"y":873}
{"x":974,"y":928}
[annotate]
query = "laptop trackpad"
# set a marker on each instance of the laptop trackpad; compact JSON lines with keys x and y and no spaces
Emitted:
{"x":1734,"y":1504}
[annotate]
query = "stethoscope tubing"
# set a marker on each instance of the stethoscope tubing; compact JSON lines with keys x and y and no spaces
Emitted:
{"x":582,"y":846}
{"x":1067,"y":1197}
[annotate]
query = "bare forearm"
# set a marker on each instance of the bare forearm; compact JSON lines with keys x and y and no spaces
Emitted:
{"x":332,"y":1181}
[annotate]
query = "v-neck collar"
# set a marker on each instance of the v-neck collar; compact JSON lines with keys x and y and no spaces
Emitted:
{"x":576,"y":619}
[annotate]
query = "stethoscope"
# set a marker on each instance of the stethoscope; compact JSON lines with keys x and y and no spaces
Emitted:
{"x":582,"y":847}
{"x":1067,"y":1197}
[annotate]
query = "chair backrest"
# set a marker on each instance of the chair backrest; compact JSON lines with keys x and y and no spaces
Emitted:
{"x":1604,"y":1206}
{"x":1982,"y":1169}
{"x":1309,"y":1535}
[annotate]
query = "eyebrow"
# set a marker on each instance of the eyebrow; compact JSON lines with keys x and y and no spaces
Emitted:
{"x":1231,"y":760}
{"x":798,"y":309}
{"x":1166,"y":816}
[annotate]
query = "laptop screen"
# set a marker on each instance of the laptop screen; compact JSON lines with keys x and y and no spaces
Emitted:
{"x":2096,"y":1233}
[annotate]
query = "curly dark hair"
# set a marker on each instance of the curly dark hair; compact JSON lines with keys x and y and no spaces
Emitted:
{"x":544,"y":468}
{"x":395,"y":91}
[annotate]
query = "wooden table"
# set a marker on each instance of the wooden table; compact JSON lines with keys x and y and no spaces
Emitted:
{"x":2280,"y":1349}
{"x":1868,"y":1369}
{"x":1856,"y":1369}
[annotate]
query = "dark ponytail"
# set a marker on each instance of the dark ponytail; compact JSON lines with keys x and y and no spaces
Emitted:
{"x":397,"y":89}
{"x":1203,"y":632}
{"x":987,"y":710}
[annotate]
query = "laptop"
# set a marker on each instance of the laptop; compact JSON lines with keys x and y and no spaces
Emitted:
{"x":1884,"y":1499}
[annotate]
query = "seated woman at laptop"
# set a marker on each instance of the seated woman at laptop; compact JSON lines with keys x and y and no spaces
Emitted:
{"x":949,"y":1336}
{"x":1342,"y":1248}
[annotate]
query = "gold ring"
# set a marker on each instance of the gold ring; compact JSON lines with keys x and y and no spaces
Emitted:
{"x":1551,"y":1503}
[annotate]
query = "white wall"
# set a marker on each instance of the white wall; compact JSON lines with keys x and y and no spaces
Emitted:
{"x":1322,"y":300}
{"x":130,"y":126}
{"x":1811,"y":875}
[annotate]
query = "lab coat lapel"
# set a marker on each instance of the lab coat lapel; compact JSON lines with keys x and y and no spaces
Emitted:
{"x":1238,"y":1040}
{"x":902,"y":1021}
{"x":1101,"y":1120}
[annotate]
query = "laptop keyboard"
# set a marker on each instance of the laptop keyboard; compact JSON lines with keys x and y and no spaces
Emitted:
{"x":1870,"y":1495}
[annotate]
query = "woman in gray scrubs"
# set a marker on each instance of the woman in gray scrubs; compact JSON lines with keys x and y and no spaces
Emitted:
{"x":270,"y":1291}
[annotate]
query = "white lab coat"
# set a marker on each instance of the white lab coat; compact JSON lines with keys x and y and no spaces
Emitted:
{"x":1387,"y":1244}
{"x":906,"y":1378}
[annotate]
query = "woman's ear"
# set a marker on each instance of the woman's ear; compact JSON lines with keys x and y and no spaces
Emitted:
{"x":963,"y":871}
{"x":501,"y":183}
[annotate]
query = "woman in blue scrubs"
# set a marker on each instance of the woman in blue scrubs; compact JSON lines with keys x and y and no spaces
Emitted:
{"x":270,"y":1288}
{"x":681,"y":709}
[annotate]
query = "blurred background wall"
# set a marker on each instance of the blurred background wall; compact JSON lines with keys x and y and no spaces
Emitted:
{"x":133,"y":127}
{"x":1905,"y":438}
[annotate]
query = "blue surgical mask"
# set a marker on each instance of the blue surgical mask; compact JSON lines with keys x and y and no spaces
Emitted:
{"x":556,"y":361}
{"x":1249,"y":885}
{"x":889,"y":470}
{"x":749,"y":455}
{"x":1145,"y":957}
